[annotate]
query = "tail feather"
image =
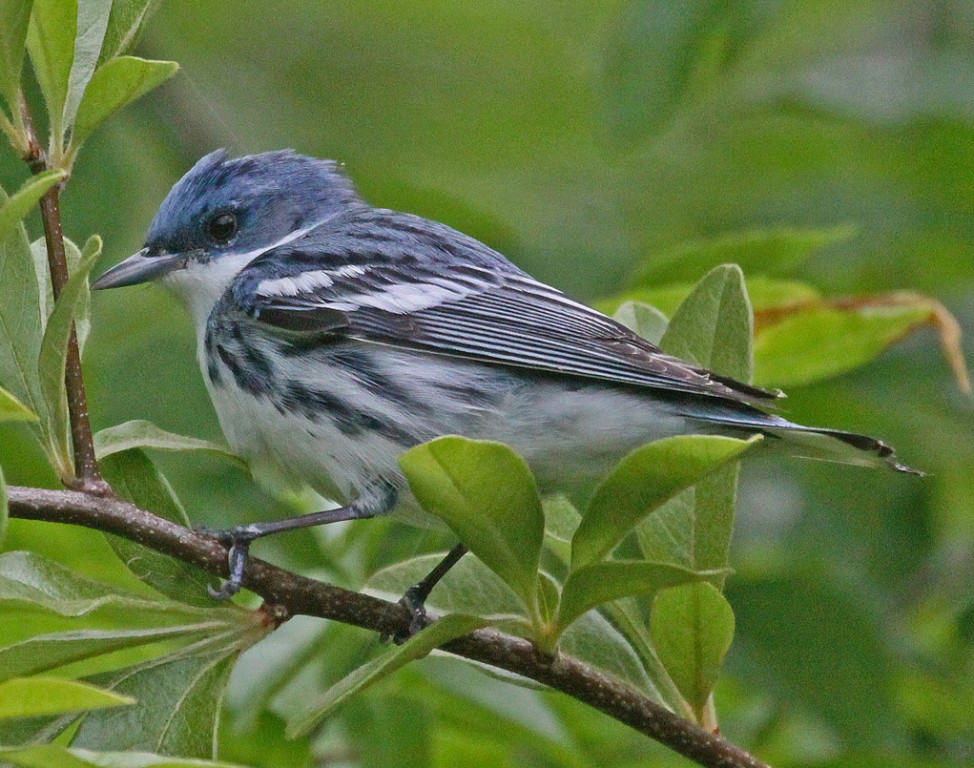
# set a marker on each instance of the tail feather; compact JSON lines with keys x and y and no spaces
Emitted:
{"x":836,"y":445}
{"x":811,"y":442}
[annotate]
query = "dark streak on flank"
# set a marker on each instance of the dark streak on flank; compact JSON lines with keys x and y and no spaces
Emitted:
{"x":212,"y":369}
{"x":364,"y":367}
{"x":251,"y":369}
{"x":319,"y":405}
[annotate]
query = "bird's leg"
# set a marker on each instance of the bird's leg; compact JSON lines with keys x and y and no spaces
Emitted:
{"x":380,"y":500}
{"x":415,"y":597}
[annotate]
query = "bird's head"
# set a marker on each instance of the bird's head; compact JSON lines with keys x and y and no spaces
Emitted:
{"x":224,"y":212}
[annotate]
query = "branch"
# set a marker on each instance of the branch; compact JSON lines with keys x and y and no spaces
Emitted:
{"x":299,"y":595}
{"x":86,"y":471}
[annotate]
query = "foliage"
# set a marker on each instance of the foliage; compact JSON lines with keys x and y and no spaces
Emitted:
{"x":667,"y":141}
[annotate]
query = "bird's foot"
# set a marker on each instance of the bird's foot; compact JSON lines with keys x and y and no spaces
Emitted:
{"x":413,"y":600}
{"x":238,"y":541}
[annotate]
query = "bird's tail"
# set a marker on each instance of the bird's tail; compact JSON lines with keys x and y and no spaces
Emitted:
{"x":836,"y":445}
{"x":809,"y":442}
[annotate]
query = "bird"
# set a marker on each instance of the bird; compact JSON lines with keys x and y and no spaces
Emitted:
{"x":333,"y":336}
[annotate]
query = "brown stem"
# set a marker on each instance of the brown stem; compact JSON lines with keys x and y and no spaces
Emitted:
{"x":34,"y":152}
{"x":87,"y":476}
{"x":85,"y":463}
{"x":300,"y":595}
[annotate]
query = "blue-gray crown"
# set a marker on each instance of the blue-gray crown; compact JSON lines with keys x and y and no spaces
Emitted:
{"x":270,"y":196}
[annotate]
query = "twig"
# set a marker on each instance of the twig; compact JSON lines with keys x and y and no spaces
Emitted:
{"x":87,"y":476}
{"x":300,"y":595}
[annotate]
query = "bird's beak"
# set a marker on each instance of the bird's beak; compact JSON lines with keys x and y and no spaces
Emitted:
{"x":147,"y":264}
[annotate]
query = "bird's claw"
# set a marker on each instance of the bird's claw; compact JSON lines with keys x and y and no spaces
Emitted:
{"x":415,"y":602}
{"x":238,"y":539}
{"x":224,"y":592}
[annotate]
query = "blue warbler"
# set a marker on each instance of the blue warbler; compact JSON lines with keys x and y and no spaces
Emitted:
{"x":333,"y":336}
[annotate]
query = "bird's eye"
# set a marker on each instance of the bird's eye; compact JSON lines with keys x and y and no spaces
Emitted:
{"x":222,"y":227}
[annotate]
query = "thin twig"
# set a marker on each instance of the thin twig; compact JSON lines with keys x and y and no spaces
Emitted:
{"x":34,"y":152}
{"x":87,"y":476}
{"x":299,"y":595}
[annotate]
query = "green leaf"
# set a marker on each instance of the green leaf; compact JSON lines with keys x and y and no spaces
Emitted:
{"x":54,"y":351}
{"x":766,"y":294}
{"x":92,"y":23}
{"x":667,"y":536}
{"x":56,"y":756}
{"x":819,"y":342}
{"x":664,"y":298}
{"x":115,"y":85}
{"x":178,"y":695}
{"x":50,"y":42}
{"x":801,"y":337}
{"x":144,"y":434}
{"x":125,"y":24}
{"x":42,"y":269}
{"x":179,"y":699}
{"x":73,"y":256}
{"x":694,"y":528}
{"x":14,"y":18}
{"x":134,"y":478}
{"x":643,"y":481}
{"x":692,"y":628}
{"x":630,"y":617}
{"x":76,"y":260}
{"x":46,"y":652}
{"x":758,"y":251}
{"x":37,"y":696}
{"x":486,"y":494}
{"x":27,"y":578}
{"x":11,"y":409}
{"x":21,"y":322}
{"x":642,"y":319}
{"x":16,"y":207}
{"x":591,"y":638}
{"x":772,"y":294}
{"x":606,"y":581}
{"x":561,"y":520}
{"x":713,"y":326}
{"x":438,"y":633}
{"x":64,"y":40}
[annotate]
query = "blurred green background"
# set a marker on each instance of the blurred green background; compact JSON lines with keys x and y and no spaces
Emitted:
{"x":583,"y":139}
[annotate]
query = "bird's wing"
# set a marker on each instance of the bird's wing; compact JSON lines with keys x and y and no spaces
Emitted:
{"x":467,"y":311}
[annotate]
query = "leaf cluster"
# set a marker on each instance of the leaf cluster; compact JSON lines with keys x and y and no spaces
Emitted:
{"x":78,"y":58}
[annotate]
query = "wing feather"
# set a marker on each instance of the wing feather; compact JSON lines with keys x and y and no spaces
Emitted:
{"x":460,"y":308}
{"x":507,"y":319}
